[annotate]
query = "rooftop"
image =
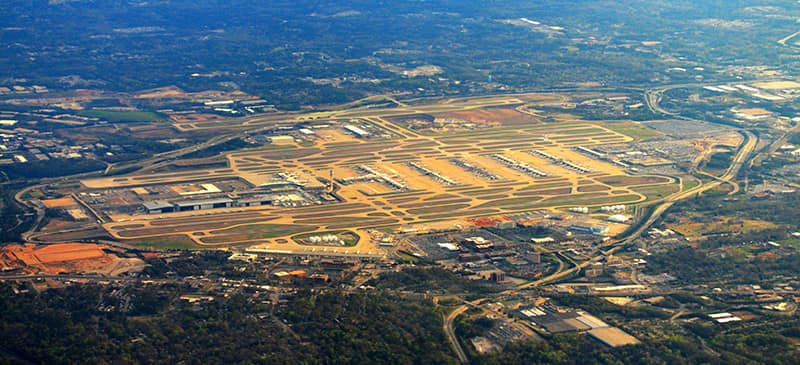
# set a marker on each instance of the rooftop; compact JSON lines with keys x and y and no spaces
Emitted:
{"x":157,"y":204}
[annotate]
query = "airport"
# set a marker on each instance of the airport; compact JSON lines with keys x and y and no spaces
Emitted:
{"x":371,"y":172}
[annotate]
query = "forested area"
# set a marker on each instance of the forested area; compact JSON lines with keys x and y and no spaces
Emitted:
{"x":69,"y":325}
{"x":328,"y":52}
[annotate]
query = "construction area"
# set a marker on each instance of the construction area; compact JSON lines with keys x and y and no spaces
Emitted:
{"x":83,"y":258}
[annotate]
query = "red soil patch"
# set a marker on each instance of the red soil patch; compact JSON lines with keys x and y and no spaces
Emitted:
{"x":493,"y":117}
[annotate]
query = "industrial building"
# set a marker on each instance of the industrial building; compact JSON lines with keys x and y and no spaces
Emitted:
{"x":543,"y":240}
{"x":291,"y":180}
{"x":287,"y":198}
{"x":162,"y":206}
{"x":618,"y":218}
{"x":477,"y":243}
{"x":612,"y":336}
{"x":186,"y":205}
{"x":158,"y":206}
{"x":556,"y":321}
{"x":255,"y":201}
{"x":370,"y":174}
{"x":599,"y":230}
{"x":281,"y":139}
{"x":358,"y":132}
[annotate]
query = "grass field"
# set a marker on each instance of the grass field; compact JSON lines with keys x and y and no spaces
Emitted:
{"x":587,"y":199}
{"x":176,"y":242}
{"x":655,"y":192}
{"x":349,"y":238}
{"x":123,"y":117}
{"x":719,"y":226}
{"x":690,"y":183}
{"x":254,"y":232}
{"x":633,"y":180}
{"x":633,"y":130}
{"x":511,"y":202}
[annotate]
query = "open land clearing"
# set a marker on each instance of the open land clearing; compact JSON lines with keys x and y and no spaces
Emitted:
{"x":777,"y":85}
{"x":405,"y":178}
{"x":66,"y":257}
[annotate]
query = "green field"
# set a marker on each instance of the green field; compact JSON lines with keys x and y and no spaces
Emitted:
{"x":689,"y":183}
{"x":177,"y":242}
{"x":510,"y":202}
{"x":122,"y":117}
{"x":255,"y":232}
{"x":655,"y":192}
{"x":350,"y":239}
{"x":633,"y":130}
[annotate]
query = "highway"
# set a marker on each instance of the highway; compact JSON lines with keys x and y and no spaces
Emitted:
{"x":451,"y":334}
{"x":738,"y":161}
{"x":161,"y":159}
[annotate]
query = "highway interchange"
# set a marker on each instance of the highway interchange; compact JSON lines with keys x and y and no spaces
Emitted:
{"x":744,"y":154}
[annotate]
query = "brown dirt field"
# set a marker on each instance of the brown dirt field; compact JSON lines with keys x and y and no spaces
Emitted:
{"x":754,"y":111}
{"x":193,"y":118}
{"x":67,"y":252}
{"x":777,"y":85}
{"x":60,"y":202}
{"x":502,"y":116}
{"x":59,"y":225}
{"x":66,"y":257}
{"x":79,"y":138}
{"x":689,"y":228}
{"x":745,"y":316}
{"x":585,"y":84}
{"x":485,"y":221}
{"x":162,"y":92}
{"x":158,"y":132}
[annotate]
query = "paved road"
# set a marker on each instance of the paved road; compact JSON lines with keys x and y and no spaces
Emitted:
{"x":451,"y":334}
